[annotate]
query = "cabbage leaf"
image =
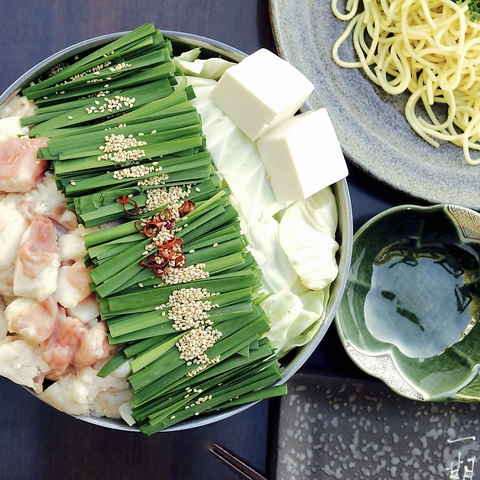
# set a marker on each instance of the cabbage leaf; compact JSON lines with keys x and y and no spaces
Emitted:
{"x":307,"y":235}
{"x":189,"y":63}
{"x":293,"y":243}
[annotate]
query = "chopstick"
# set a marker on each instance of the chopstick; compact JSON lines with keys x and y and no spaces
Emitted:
{"x":237,"y":465}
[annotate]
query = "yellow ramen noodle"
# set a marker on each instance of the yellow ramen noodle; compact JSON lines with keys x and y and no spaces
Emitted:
{"x":429,"y":48}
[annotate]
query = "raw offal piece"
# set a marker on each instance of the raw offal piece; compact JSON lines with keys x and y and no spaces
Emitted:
{"x":33,"y":320}
{"x":22,"y":363}
{"x":20,"y":169}
{"x":10,"y":127}
{"x":38,"y":262}
{"x":73,"y":285}
{"x":12,"y":228}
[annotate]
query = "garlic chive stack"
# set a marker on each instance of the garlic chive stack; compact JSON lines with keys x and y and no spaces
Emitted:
{"x":175,"y":282}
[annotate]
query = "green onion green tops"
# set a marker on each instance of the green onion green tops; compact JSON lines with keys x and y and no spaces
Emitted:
{"x":473,"y":9}
{"x":176,"y":285}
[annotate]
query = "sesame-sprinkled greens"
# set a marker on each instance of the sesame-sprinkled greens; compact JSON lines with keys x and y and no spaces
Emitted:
{"x":176,"y":284}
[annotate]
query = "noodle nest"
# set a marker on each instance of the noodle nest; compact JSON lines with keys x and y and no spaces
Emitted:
{"x":429,"y":48}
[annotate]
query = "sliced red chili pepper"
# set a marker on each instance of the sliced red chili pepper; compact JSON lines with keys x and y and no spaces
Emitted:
{"x":187,"y":207}
{"x":179,"y":242}
{"x":180,"y":261}
{"x":167,"y":246}
{"x":124,"y":200}
{"x":169,"y":251}
{"x":158,"y":267}
{"x":165,"y":214}
{"x":170,"y":223}
{"x":152,"y":227}
{"x":169,"y":254}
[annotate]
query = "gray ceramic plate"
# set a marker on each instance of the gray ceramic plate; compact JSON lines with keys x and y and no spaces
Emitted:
{"x":370,"y":125}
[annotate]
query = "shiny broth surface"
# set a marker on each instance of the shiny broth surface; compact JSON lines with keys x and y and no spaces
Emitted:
{"x":414,"y":289}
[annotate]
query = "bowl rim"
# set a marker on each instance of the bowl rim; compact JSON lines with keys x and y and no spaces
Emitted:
{"x":405,"y":207}
{"x":340,"y":189}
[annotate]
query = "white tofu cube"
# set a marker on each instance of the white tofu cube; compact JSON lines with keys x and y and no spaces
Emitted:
{"x":302,"y":156}
{"x":260,"y":92}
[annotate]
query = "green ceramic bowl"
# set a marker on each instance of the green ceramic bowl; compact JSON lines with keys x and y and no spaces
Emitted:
{"x":410,"y":309}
